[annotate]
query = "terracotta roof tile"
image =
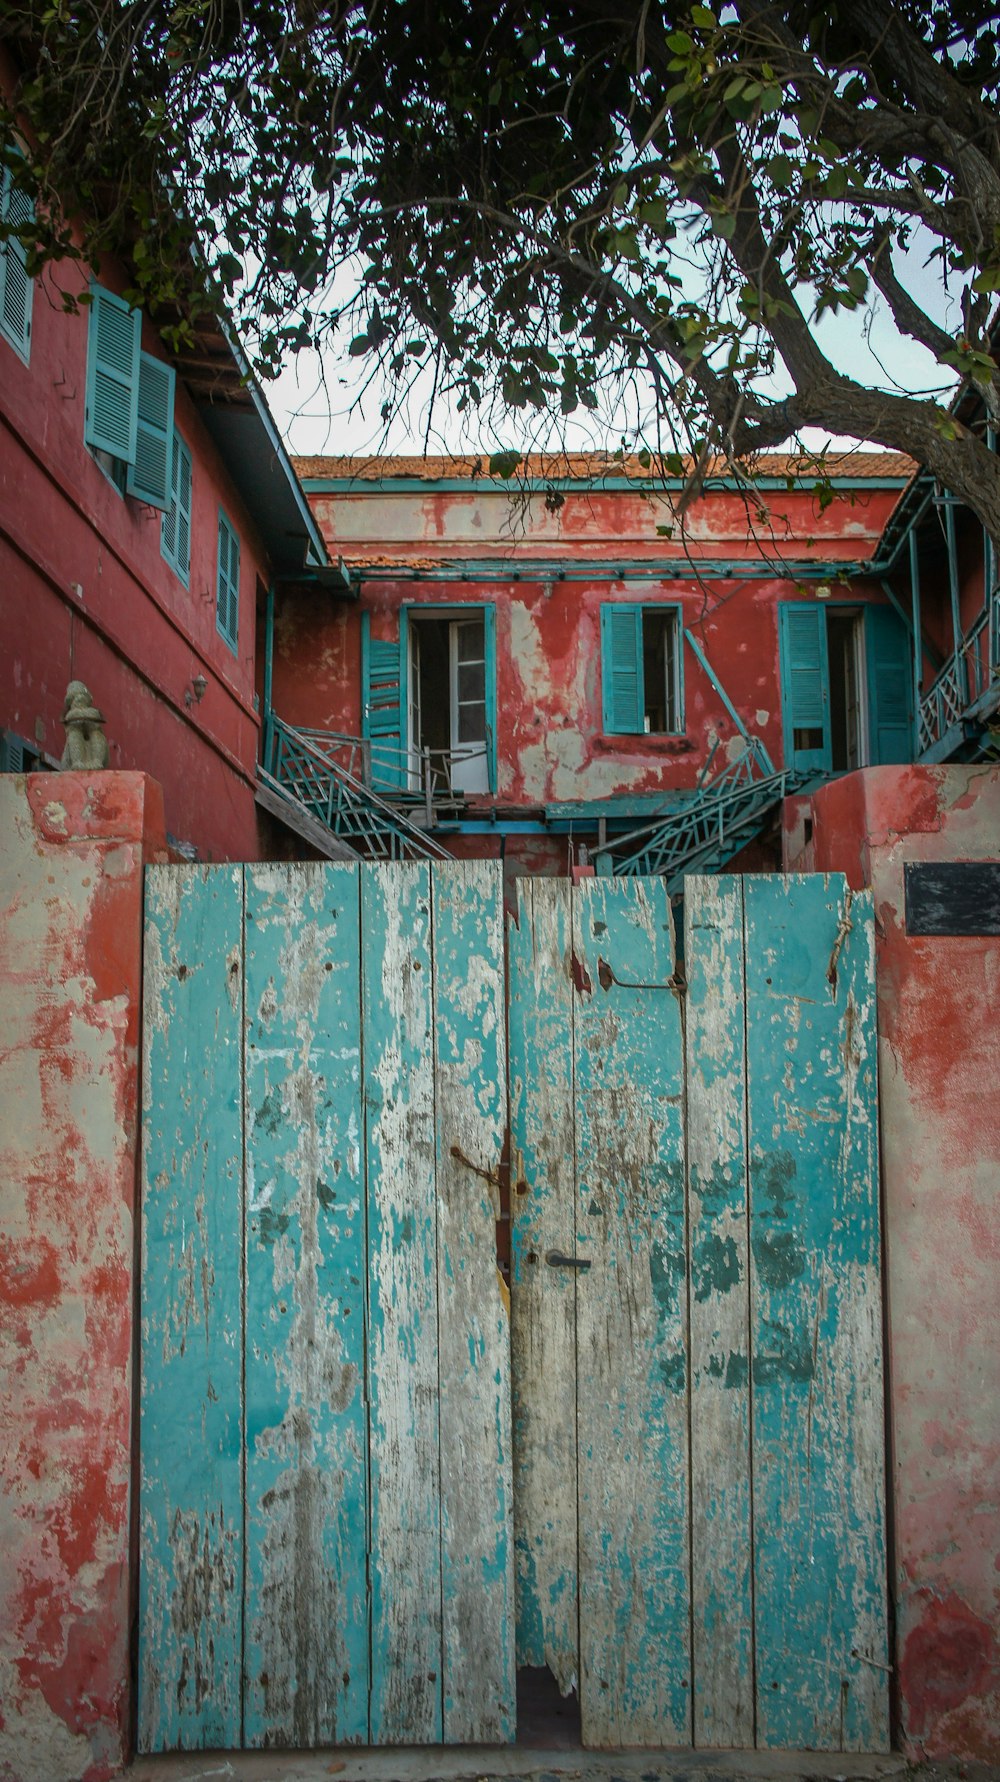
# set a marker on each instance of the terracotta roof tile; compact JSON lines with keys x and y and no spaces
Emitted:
{"x":588,"y":466}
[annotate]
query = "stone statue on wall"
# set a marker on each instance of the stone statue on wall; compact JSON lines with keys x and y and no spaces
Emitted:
{"x":86,"y":744}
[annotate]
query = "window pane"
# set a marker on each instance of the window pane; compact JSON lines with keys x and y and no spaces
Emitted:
{"x":472,"y":722}
{"x":471,"y":681}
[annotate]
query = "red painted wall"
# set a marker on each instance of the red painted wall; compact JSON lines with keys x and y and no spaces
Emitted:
{"x":939,"y":1064}
{"x":551,"y":743}
{"x":85,"y":593}
{"x":70,"y":949}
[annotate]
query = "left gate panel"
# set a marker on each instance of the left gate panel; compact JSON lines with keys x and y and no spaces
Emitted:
{"x":191,"y":1416}
{"x":306,"y":1599}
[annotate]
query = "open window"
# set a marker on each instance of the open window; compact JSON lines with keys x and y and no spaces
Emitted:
{"x":641,"y":683}
{"x":129,"y":408}
{"x":429,"y":700}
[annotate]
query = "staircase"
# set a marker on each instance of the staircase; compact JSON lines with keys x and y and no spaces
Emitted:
{"x":726,"y":812}
{"x":317,"y":772}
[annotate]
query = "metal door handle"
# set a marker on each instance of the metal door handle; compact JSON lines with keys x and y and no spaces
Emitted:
{"x":556,"y":1259}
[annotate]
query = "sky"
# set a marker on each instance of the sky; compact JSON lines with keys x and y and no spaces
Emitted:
{"x":322,"y":408}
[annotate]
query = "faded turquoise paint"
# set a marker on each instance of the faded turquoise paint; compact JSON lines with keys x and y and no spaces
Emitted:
{"x":406,"y":1686}
{"x":721,"y":1522}
{"x":632,"y":1319}
{"x":819,"y":1528}
{"x":470,"y":1076}
{"x":191,"y":1401}
{"x":306,"y":1612}
{"x":543,"y":1299}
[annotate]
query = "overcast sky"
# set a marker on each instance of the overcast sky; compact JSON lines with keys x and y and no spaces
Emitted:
{"x":320,"y":407}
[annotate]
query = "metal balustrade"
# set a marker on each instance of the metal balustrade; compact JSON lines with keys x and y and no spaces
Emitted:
{"x":319,"y":771}
{"x":727,"y":811}
{"x":968,"y":676}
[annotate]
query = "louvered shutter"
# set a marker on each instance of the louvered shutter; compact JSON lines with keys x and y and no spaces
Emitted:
{"x":111,"y":417}
{"x":381,"y":703}
{"x":16,"y":209}
{"x":805,"y":686}
{"x":889,"y":672}
{"x":621,"y":669}
{"x":149,"y":474}
{"x":227,"y":607}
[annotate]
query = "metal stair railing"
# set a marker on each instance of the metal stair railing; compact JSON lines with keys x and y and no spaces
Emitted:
{"x":725,"y":813}
{"x":316,"y":779}
{"x":417,"y":779}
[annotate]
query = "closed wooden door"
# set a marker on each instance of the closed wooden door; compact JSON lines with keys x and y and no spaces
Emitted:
{"x":696,"y":1311}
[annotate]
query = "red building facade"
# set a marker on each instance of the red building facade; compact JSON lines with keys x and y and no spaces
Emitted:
{"x":145,"y":504}
{"x":560,"y":658}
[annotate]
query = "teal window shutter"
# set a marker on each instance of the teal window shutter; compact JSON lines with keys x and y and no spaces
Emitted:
{"x":16,"y":209}
{"x":805,"y":678}
{"x":889,"y":673}
{"x":175,"y":537}
{"x":382,"y":692}
{"x":149,"y":472}
{"x":112,"y":405}
{"x":621,"y":669}
{"x":227,"y":599}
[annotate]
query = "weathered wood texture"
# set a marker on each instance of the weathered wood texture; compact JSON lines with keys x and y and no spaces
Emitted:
{"x":371,"y":1468}
{"x":306,"y":1611}
{"x":721,"y":1525}
{"x":326,"y":1523}
{"x":819,"y":1500}
{"x":632,"y":1319}
{"x":403,"y":1307}
{"x":543,"y":1298}
{"x":768,"y":1266}
{"x":191,"y":1403}
{"x":470,"y":1076}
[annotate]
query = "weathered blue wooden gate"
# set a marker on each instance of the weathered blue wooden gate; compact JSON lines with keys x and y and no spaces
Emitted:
{"x":698,"y":1503}
{"x":325,"y":1409}
{"x":696,"y":1311}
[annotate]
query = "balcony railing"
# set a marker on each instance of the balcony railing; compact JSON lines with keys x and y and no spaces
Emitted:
{"x":963,"y":685}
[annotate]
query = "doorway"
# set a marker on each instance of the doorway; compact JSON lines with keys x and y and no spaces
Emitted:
{"x":446,"y":700}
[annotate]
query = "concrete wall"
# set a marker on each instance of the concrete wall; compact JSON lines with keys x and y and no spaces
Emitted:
{"x":939,"y":1060}
{"x":71,"y":858}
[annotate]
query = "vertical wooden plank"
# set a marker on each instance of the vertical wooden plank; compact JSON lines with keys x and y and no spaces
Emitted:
{"x":819,"y":1517}
{"x":306,"y":1611}
{"x":721,"y":1526}
{"x":476,"y":1510}
{"x":191,"y":1396}
{"x":543,"y":1299}
{"x":406,"y":1686}
{"x":631,"y":1319}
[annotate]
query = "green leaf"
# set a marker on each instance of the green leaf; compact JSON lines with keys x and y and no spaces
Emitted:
{"x":504,"y":463}
{"x":703,"y":17}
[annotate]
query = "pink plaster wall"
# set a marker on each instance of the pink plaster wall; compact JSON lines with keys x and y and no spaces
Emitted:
{"x":939,"y":1061}
{"x":71,"y":864}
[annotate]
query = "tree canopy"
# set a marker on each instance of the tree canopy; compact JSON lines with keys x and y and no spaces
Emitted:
{"x":539,"y":199}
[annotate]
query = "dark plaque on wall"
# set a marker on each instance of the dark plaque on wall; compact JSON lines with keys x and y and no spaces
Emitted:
{"x":953,"y":897}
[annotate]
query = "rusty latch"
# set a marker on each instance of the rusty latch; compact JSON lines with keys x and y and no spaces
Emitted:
{"x":556,"y":1259}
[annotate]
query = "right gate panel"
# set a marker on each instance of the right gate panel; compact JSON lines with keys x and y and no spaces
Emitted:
{"x":759,"y":1173}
